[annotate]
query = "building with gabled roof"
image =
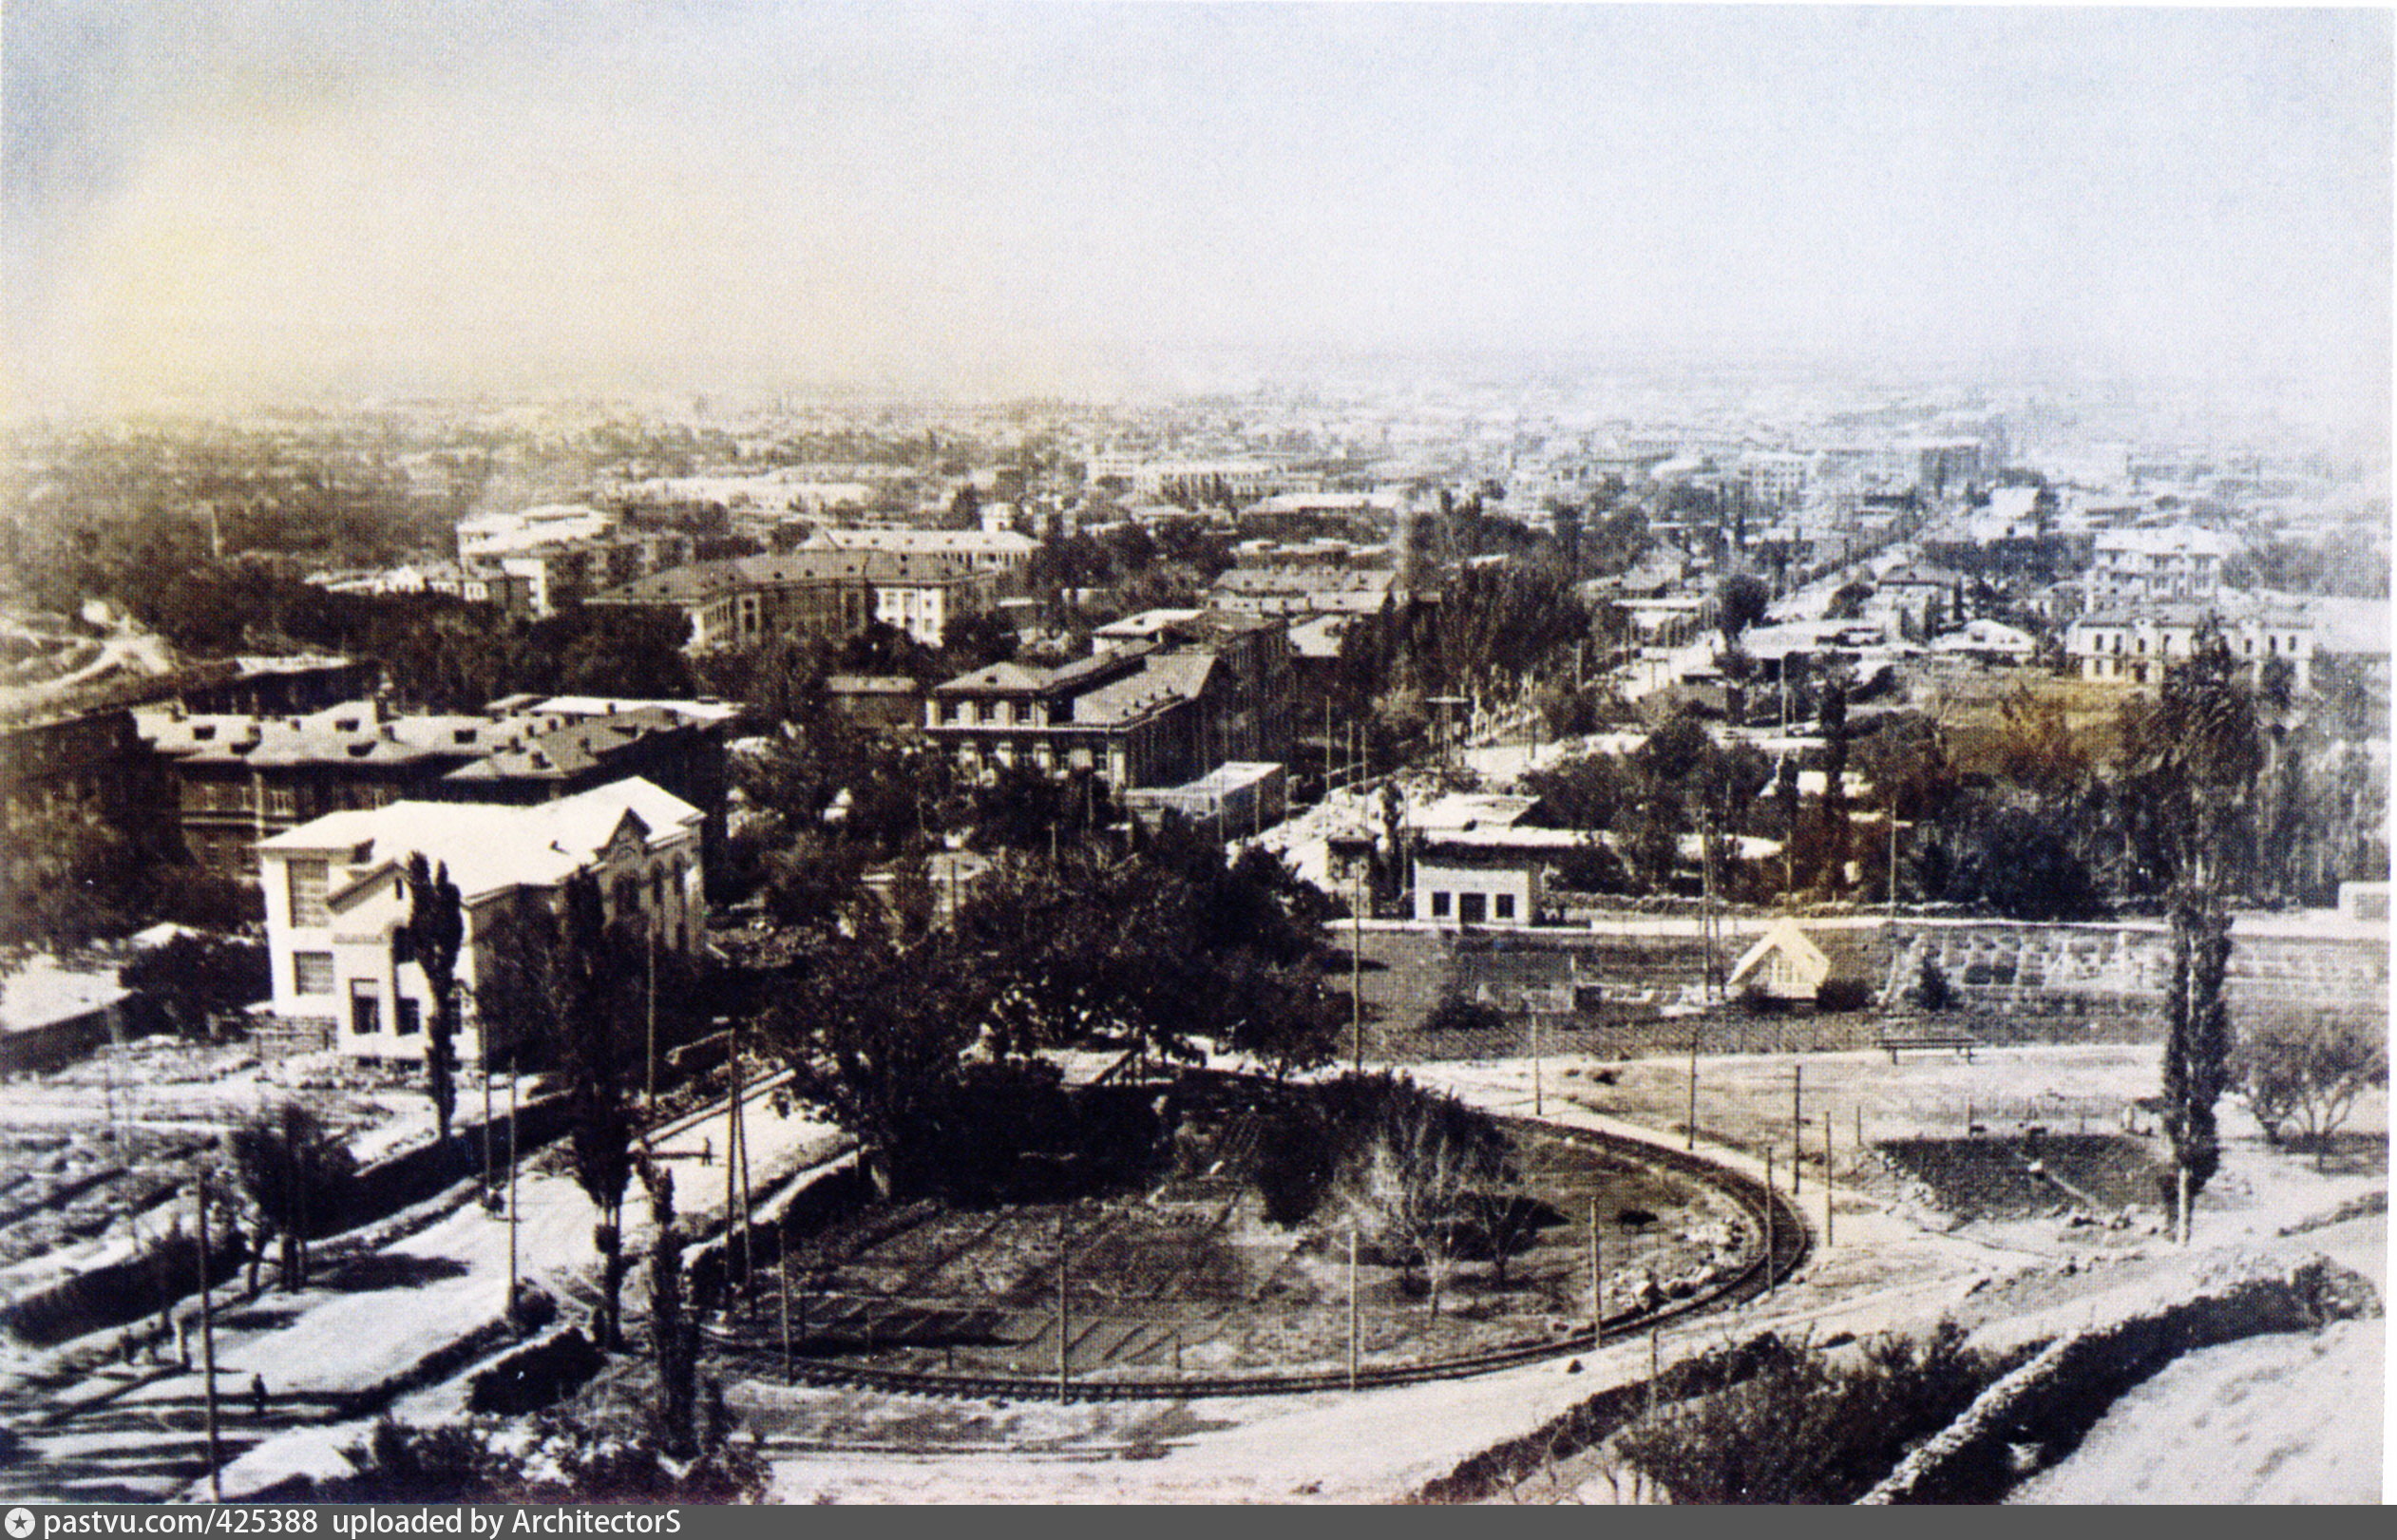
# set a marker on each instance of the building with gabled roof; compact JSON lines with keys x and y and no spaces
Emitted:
{"x":1789,"y":962}
{"x":336,"y":900}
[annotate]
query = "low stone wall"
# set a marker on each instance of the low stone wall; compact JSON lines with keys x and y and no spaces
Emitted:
{"x":2047,"y":1405}
{"x":539,"y":1373}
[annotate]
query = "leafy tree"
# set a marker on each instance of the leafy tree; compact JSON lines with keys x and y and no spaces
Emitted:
{"x":297,"y":1177}
{"x":875,"y":1037}
{"x":437,"y":931}
{"x":1409,"y":1178}
{"x":194,"y":979}
{"x":68,"y":877}
{"x":574,"y":985}
{"x":674,"y":1320}
{"x":2308,"y":1074}
{"x":1741,"y":602}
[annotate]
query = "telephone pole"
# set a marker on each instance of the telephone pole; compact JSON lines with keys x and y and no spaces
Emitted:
{"x":208,"y":1346}
{"x":1357,"y":977}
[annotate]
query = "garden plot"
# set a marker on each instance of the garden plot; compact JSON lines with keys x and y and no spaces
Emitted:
{"x":1191,"y":1278}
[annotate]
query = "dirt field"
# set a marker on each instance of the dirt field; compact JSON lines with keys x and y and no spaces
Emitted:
{"x":1972,"y":711}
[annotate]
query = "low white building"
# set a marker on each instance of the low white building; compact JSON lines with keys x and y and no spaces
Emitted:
{"x":483,"y":536}
{"x":1988,"y":639}
{"x":2135,"y":647}
{"x":336,"y":900}
{"x":1462,"y":883}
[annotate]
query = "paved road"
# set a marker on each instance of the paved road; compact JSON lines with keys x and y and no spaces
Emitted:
{"x":137,"y":1434}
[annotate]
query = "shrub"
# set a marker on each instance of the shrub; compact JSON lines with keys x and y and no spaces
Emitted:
{"x":1932,"y":992}
{"x":1843,"y":995}
{"x":563,"y":1462}
{"x":1456,"y":1014}
{"x":1807,"y":1430}
{"x":2308,"y":1075}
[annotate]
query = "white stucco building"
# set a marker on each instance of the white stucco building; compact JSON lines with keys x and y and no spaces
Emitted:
{"x":336,"y":899}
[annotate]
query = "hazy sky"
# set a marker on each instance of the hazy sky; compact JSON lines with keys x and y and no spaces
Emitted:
{"x":272,"y":196}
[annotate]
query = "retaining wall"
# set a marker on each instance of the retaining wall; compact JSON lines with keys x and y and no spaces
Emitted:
{"x":2047,"y":1405}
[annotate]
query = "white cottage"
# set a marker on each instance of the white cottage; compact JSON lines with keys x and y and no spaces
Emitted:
{"x":1787,"y":964}
{"x":336,"y":899}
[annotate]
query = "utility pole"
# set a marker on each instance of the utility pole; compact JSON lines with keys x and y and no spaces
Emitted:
{"x":1797,"y":1124}
{"x":1065,"y":1260}
{"x":731,"y":1137}
{"x":652,"y":1026}
{"x":1694,"y":1030}
{"x":482,"y":1041}
{"x":1537,"y":1109}
{"x":1357,"y":977}
{"x":1892,"y":855}
{"x":208,"y":1346}
{"x":1597,"y":1283}
{"x":1354,"y":1333}
{"x":1828,"y":1218}
{"x":782,"y":1283}
{"x":511,"y":1194}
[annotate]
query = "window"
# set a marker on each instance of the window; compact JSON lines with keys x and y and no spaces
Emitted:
{"x":403,"y":945}
{"x":1503,"y":905}
{"x":366,"y":1008}
{"x":308,"y":892}
{"x":1473,"y":908}
{"x":408,"y":1015}
{"x":279,"y":801}
{"x":1440,"y":905}
{"x":312,"y":973}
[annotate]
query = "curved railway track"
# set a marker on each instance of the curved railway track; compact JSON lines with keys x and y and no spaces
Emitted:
{"x":759,"y":1354}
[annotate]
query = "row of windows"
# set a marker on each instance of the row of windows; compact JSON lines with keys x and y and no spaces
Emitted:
{"x":1473,"y":908}
{"x":2275,"y":643}
{"x":997,"y":713}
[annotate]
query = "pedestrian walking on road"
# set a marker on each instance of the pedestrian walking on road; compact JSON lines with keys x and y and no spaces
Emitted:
{"x":257,"y":1393}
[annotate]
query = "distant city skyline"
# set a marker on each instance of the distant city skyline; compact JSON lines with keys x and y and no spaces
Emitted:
{"x":276,"y":198}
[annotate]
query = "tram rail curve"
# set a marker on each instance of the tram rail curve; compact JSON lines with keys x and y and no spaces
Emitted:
{"x":1792,"y":1240}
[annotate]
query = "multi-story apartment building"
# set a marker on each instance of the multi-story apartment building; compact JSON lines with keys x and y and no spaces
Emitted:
{"x":1302,"y":590}
{"x":337,"y":904}
{"x":237,"y":778}
{"x":2140,"y":566}
{"x":814,"y":592}
{"x":1002,"y":551}
{"x":1211,"y":691}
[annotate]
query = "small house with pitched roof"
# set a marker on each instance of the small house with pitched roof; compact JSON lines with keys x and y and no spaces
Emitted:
{"x":1789,"y":962}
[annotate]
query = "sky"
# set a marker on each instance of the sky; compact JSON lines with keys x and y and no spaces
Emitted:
{"x":263,"y":198}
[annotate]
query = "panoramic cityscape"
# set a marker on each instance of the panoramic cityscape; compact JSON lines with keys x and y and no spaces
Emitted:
{"x":1202,"y":753}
